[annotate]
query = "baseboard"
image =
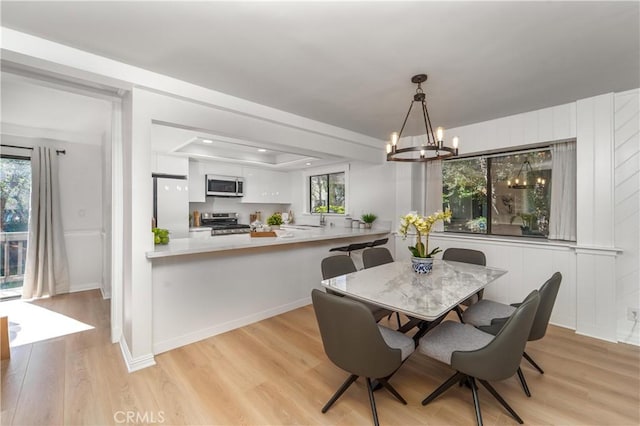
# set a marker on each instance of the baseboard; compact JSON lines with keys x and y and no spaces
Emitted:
{"x":631,"y":337}
{"x":135,"y":364}
{"x":167,"y":345}
{"x":116,"y":335}
{"x":105,"y":295}
{"x":83,"y":287}
{"x":596,"y":334}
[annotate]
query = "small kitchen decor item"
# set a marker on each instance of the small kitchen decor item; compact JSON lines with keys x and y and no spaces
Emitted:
{"x":422,"y":226}
{"x":275,"y":220}
{"x":160,"y":236}
{"x":257,"y":234}
{"x":368,"y":219}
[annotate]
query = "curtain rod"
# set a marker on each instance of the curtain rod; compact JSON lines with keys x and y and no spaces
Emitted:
{"x":58,"y":151}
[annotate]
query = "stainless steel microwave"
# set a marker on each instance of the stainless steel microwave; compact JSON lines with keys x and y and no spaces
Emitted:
{"x":225,"y":186}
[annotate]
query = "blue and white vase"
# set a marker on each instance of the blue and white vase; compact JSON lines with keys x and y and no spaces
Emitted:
{"x":422,"y":265}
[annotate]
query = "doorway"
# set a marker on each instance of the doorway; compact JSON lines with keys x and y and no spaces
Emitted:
{"x":15,"y":199}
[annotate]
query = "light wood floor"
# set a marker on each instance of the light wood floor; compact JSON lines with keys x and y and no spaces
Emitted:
{"x":275,"y":372}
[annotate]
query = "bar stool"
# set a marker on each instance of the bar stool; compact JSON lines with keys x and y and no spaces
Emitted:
{"x":351,"y":247}
{"x":379,"y":242}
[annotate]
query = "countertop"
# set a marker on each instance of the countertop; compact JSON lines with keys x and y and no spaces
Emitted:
{"x":182,"y":246}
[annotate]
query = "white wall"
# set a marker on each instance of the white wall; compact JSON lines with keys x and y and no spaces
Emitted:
{"x":627,"y":211}
{"x":371,"y":189}
{"x":81,"y":185}
{"x":80,"y":177}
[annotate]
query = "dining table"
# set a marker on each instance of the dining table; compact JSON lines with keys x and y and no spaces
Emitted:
{"x":424,"y":298}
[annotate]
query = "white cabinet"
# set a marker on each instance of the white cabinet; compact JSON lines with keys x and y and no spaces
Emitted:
{"x":266,"y":186}
{"x":197,"y":184}
{"x":169,"y":164}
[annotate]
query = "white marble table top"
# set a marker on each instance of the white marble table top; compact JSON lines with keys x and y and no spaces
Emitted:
{"x":428,"y":296}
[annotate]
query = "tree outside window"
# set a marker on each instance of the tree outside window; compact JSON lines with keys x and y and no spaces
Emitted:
{"x":327,"y":193}
{"x":15,"y":192}
{"x":484,"y":198}
{"x":464,"y":191}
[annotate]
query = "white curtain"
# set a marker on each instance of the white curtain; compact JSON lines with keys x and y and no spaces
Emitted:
{"x":433,"y":188}
{"x":562,"y":220}
{"x":46,"y":263}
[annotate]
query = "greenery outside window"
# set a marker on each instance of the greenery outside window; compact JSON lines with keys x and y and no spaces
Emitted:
{"x":484,"y":198}
{"x":15,"y":200}
{"x":327,"y":193}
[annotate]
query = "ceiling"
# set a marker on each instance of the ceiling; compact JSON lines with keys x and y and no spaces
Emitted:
{"x":27,"y":106}
{"x":349,"y":63}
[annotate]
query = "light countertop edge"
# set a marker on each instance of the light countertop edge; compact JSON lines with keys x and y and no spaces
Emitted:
{"x":185,"y":246}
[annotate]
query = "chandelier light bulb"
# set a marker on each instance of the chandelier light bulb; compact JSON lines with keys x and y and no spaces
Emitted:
{"x":394,"y":138}
{"x":508,"y":183}
{"x":517,"y":181}
{"x":456,"y":141}
{"x":422,"y":153}
{"x":388,"y":148}
{"x":524,"y":183}
{"x":440,"y":133}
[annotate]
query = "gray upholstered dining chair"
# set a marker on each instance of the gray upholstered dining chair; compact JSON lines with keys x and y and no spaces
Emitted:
{"x":354,"y":342}
{"x":476,"y":355}
{"x":378,"y":256}
{"x":490,"y":316}
{"x":475,"y":257}
{"x":334,"y":266}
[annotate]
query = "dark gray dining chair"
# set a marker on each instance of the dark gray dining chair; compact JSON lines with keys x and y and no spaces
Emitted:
{"x":354,"y":342}
{"x":334,"y":266}
{"x":378,"y":256}
{"x":474,"y":257}
{"x":476,"y":355}
{"x":490,"y":316}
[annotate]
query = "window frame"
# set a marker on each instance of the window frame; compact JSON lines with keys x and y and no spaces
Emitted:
{"x":326,"y":171}
{"x":489,"y":156}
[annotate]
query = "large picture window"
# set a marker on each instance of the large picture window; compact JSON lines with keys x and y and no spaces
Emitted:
{"x":500,"y":195}
{"x":327,"y":193}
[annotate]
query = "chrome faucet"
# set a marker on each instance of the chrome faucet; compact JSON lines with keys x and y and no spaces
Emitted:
{"x":323,"y":220}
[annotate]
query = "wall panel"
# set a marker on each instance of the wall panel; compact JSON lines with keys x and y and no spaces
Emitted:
{"x":627,"y":211}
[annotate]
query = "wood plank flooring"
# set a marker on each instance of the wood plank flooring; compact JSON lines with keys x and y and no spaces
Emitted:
{"x":275,"y":372}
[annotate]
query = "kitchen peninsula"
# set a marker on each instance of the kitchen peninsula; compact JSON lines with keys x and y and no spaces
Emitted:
{"x":204,"y":287}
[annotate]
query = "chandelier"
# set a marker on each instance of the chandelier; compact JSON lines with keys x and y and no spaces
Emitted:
{"x":522,"y":183}
{"x":433,"y":147}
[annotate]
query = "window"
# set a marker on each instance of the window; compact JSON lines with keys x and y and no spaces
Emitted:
{"x":505,"y":194}
{"x":327,"y":193}
{"x":15,"y":193}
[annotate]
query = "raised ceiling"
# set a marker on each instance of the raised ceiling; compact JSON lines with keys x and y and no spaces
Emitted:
{"x":349,"y":63}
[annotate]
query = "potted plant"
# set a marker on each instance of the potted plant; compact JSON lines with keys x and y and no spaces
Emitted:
{"x":421,"y":257}
{"x":368,"y":219}
{"x":275,"y":220}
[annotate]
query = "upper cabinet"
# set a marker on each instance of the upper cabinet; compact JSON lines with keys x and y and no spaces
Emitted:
{"x":169,"y":164}
{"x":266,"y":186}
{"x":197,"y":184}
